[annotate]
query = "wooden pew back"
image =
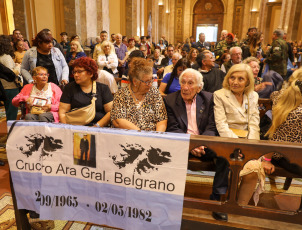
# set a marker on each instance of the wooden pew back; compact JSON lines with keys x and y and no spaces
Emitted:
{"x":252,"y":149}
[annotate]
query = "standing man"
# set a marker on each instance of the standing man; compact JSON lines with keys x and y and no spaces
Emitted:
{"x":278,"y":54}
{"x":112,"y":38}
{"x":225,"y":45}
{"x":165,"y":41}
{"x":144,"y":42}
{"x":144,"y":49}
{"x":191,"y":111}
{"x":97,"y":48}
{"x":84,"y":147}
{"x":166,"y":61}
{"x":236,"y":58}
{"x":17,"y":36}
{"x":212,"y":77}
{"x":122,"y":54}
{"x":201,"y":44}
{"x":64,"y":40}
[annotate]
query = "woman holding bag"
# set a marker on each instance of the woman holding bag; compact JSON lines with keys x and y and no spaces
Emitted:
{"x":80,"y":94}
{"x":236,"y":105}
{"x":42,"y":97}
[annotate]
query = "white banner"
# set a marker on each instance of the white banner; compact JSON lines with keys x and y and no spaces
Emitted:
{"x":121,"y":178}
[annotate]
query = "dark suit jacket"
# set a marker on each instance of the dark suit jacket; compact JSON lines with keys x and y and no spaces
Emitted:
{"x":177,"y":114}
{"x":199,"y":46}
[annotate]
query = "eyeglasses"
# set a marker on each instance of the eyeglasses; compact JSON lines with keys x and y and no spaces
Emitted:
{"x":74,"y":72}
{"x":146,"y":82}
{"x":42,"y":74}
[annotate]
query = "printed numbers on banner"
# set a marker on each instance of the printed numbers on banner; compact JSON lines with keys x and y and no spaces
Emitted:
{"x":119,"y":210}
{"x":57,"y":201}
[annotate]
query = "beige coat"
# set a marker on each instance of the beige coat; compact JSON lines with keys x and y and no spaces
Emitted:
{"x":230,"y":114}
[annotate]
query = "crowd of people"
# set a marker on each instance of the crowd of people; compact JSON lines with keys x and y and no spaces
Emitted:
{"x":199,"y":88}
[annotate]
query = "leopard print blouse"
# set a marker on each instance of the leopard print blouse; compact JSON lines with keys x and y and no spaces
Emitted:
{"x":291,"y":129}
{"x":145,"y":116}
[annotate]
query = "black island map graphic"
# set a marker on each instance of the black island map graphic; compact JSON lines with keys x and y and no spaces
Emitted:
{"x":36,"y":141}
{"x":144,"y":160}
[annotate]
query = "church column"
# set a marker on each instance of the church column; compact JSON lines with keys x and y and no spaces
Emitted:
{"x":155,"y":21}
{"x":246,"y":18}
{"x":228,"y":18}
{"x":187,"y":20}
{"x":103,"y":21}
{"x":283,"y":13}
{"x":289,"y":18}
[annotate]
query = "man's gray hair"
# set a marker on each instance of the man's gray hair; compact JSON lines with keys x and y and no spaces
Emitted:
{"x":178,"y":55}
{"x":224,"y":31}
{"x":197,"y":74}
{"x":279,"y":33}
{"x":233,"y":48}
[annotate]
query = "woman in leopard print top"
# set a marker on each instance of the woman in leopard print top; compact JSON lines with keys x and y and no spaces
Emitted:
{"x":139,"y":106}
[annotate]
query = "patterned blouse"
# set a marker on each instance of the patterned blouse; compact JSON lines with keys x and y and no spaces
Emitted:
{"x":291,"y":129}
{"x":144,"y":116}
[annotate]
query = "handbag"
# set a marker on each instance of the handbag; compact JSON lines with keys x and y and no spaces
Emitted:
{"x":37,"y":110}
{"x":240,"y":132}
{"x":84,"y":115}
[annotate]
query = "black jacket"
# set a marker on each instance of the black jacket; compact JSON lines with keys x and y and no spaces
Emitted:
{"x":177,"y":113}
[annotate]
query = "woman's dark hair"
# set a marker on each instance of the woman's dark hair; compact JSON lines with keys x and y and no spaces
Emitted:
{"x":16,"y":44}
{"x":41,"y":37}
{"x":73,"y":37}
{"x":221,"y":61}
{"x":5,"y":46}
{"x":180,"y":63}
{"x":88,"y":64}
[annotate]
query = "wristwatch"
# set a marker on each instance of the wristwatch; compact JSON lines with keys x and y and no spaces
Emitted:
{"x":97,"y":125}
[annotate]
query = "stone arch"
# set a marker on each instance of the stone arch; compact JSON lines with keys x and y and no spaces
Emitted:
{"x":208,"y":12}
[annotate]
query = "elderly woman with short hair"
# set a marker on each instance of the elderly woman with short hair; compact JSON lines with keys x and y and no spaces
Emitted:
{"x":107,"y":59}
{"x":236,"y":105}
{"x":139,"y":106}
{"x":270,"y":82}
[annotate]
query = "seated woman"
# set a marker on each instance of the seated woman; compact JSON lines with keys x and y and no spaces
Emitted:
{"x":42,"y":98}
{"x":236,"y":104}
{"x":44,"y":54}
{"x":192,"y":56}
{"x":78,"y":94}
{"x":139,"y":106}
{"x":286,"y":127}
{"x":161,"y":44}
{"x":107,"y":59}
{"x":76,"y":51}
{"x":270,"y":82}
{"x":170,"y":82}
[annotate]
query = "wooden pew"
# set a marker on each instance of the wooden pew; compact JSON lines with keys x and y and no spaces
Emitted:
{"x":252,"y":149}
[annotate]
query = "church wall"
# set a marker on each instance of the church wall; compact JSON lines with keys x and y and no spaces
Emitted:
{"x":45,"y":15}
{"x":115,"y":16}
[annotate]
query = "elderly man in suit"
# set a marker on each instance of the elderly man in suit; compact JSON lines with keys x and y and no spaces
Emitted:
{"x":190,"y":110}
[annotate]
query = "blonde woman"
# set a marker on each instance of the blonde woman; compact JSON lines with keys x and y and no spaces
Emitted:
{"x":107,"y":59}
{"x":76,"y":51}
{"x":286,"y":127}
{"x":236,"y":105}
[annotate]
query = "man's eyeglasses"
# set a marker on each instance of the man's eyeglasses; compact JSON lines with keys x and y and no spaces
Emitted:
{"x":146,"y":82}
{"x":77,"y":71}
